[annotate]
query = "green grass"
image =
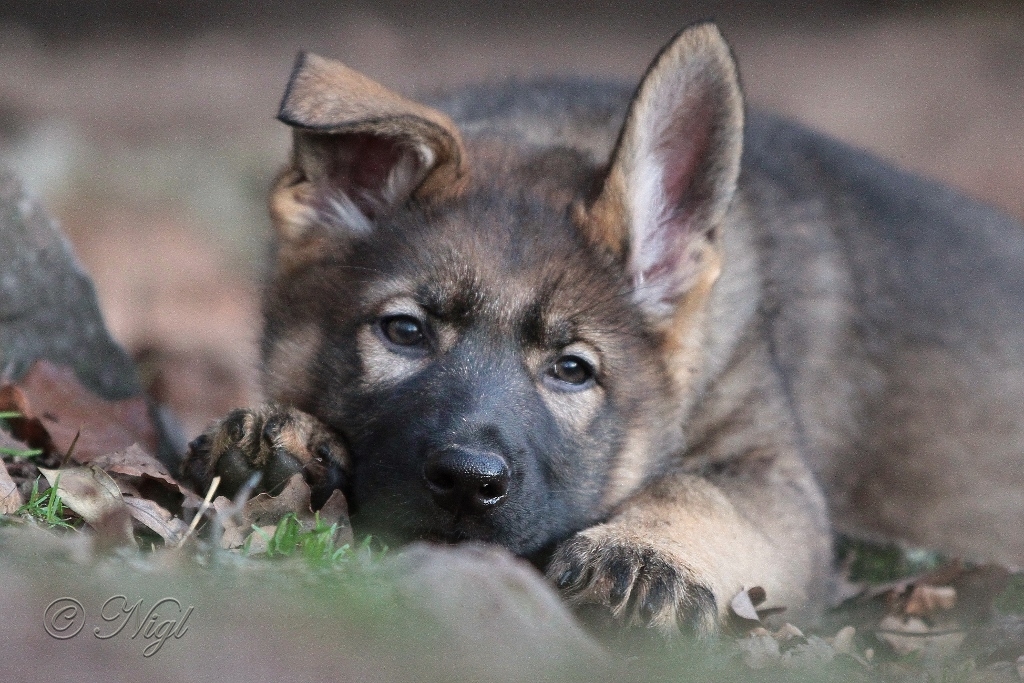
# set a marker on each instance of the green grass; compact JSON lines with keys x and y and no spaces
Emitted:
{"x":45,"y":507}
{"x":20,"y":452}
{"x":317,"y":546}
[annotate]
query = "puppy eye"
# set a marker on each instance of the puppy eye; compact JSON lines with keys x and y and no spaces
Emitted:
{"x":403,"y":330}
{"x":572,"y":370}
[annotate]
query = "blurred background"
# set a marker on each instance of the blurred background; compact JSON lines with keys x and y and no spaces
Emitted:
{"x":147,"y":127}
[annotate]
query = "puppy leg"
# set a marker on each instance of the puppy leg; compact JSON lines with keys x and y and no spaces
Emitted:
{"x":676,"y":554}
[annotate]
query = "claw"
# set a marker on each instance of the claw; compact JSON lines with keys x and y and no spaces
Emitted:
{"x":623,"y":575}
{"x":569,"y":576}
{"x":641,"y":586}
{"x":273,"y":441}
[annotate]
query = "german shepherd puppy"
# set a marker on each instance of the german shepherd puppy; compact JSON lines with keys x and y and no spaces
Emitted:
{"x":634,"y":338}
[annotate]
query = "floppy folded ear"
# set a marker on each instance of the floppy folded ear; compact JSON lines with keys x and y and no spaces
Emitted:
{"x":673,"y":173}
{"x":359,"y":150}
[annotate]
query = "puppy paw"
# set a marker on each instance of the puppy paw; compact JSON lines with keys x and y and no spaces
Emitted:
{"x":273,"y":440}
{"x":607,"y":576}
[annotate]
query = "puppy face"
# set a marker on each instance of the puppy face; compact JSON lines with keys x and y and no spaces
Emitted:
{"x":484,"y":364}
{"x":505,"y":333}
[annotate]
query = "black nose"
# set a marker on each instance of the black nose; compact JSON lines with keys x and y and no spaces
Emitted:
{"x":465,"y":480}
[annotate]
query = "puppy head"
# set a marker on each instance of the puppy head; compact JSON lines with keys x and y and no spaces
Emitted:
{"x":503,"y":364}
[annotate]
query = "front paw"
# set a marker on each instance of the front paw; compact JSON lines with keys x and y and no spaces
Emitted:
{"x":272,"y":440}
{"x":634,"y":582}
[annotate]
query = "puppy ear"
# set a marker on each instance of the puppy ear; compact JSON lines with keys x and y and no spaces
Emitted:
{"x":673,"y":172}
{"x":359,"y":151}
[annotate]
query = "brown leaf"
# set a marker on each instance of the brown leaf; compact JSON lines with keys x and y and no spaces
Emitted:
{"x":52,"y":397}
{"x":94,"y":496}
{"x":924,"y":600}
{"x":10,"y":497}
{"x":335,"y":511}
{"x":30,"y":433}
{"x":133,"y":462}
{"x":157,"y":518}
{"x":975,"y":590}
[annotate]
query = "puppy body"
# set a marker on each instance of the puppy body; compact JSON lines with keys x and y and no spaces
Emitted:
{"x":569,"y":320}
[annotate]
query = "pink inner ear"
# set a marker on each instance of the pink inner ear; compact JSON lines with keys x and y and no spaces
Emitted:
{"x":683,"y":149}
{"x":359,"y":167}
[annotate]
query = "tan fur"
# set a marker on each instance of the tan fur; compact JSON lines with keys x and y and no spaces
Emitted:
{"x":684,"y":348}
{"x":295,"y":219}
{"x":381,"y":368}
{"x":768,"y":357}
{"x":573,"y":411}
{"x":723,"y":539}
{"x":687,"y":519}
{"x":369,"y":107}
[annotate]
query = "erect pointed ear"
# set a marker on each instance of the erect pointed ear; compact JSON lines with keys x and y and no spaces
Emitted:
{"x":359,"y":150}
{"x":673,"y":172}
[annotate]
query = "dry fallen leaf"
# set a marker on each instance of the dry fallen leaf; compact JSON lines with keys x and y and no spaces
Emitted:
{"x":52,"y":397}
{"x":335,"y":511}
{"x":914,"y":635}
{"x":808,"y":653}
{"x":134,"y":463}
{"x":157,"y":518}
{"x":94,"y":496}
{"x":10,"y":497}
{"x":924,"y":600}
{"x":952,"y":596}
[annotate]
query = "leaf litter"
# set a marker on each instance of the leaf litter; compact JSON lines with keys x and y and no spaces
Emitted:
{"x":98,"y":455}
{"x":939,"y":625}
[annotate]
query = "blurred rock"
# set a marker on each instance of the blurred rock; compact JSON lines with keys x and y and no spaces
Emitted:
{"x":501,"y":620}
{"x":48,"y":306}
{"x":432,"y":614}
